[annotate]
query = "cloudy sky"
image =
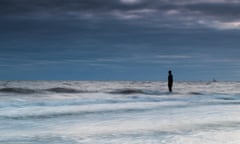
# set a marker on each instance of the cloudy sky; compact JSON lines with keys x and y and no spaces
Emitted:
{"x":119,"y":39}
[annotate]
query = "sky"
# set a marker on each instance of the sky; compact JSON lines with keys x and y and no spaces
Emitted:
{"x":120,"y":40}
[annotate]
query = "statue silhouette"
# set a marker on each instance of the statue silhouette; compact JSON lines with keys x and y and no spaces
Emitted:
{"x":170,"y":80}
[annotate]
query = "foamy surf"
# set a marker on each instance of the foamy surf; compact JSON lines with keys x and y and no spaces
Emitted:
{"x":74,"y":112}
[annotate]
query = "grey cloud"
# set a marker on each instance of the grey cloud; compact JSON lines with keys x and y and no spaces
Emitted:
{"x":163,"y":13}
{"x":10,"y":7}
{"x":18,"y":7}
{"x":219,"y":10}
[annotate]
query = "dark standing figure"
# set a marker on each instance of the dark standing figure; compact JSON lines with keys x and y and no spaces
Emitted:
{"x":170,"y":81}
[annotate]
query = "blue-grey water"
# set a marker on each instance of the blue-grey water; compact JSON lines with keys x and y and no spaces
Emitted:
{"x":88,"y":112}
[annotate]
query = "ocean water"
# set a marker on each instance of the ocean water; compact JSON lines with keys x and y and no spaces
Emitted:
{"x":89,"y":112}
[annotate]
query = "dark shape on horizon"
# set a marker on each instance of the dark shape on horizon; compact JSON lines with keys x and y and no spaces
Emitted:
{"x":170,"y":80}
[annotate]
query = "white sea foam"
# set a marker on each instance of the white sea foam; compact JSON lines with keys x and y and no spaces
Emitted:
{"x":72,"y":112}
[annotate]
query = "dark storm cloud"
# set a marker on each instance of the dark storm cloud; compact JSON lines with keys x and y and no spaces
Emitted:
{"x":11,"y":7}
{"x":156,"y":12}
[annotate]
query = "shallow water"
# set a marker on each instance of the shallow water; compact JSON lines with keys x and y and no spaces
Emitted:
{"x":82,"y":112}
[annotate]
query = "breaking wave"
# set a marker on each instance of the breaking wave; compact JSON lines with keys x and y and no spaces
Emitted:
{"x":124,"y":91}
{"x":72,"y":113}
{"x":63,"y":90}
{"x":17,"y":90}
{"x":72,"y":90}
{"x":127,"y":91}
{"x":31,"y":91}
{"x":138,"y":91}
{"x":196,"y":93}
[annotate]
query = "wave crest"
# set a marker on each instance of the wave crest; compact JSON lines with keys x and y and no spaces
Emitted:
{"x":31,"y":91}
{"x":138,"y":91}
{"x":63,"y":90}
{"x":17,"y":90}
{"x":127,"y":91}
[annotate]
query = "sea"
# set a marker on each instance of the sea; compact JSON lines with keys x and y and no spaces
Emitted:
{"x":119,"y":112}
